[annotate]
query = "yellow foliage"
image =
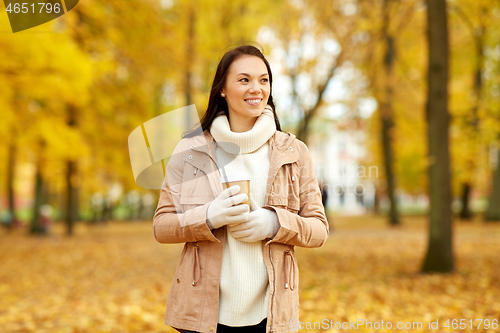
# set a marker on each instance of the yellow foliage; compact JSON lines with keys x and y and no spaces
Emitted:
{"x":116,"y":277}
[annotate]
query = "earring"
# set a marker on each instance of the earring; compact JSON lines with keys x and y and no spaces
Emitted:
{"x":222,"y":94}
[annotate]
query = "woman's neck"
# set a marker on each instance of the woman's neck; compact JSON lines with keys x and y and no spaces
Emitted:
{"x":240,"y":124}
{"x":247,"y":141}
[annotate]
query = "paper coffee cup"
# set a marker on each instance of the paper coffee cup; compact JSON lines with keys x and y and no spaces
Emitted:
{"x":243,"y":180}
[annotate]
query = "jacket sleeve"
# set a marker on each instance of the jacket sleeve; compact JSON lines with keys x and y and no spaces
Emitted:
{"x":308,"y":228}
{"x":170,"y":224}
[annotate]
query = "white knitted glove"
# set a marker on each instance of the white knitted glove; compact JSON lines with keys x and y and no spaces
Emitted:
{"x":262,"y":223}
{"x":222,"y":210}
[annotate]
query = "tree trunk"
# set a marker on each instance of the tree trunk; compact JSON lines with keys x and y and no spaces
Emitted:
{"x":493,"y":211}
{"x":439,"y":256}
{"x":71,"y":182}
{"x":70,"y":197}
{"x":107,"y":212}
{"x":465,"y":213}
{"x":376,"y":202}
{"x":11,"y":169}
{"x":304,"y":126}
{"x":36,"y":226}
{"x":386,"y":114}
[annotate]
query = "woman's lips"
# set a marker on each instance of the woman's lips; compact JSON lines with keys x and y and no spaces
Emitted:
{"x":254,"y":102}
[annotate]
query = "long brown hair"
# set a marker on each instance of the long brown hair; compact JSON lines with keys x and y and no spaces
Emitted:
{"x":216,"y":103}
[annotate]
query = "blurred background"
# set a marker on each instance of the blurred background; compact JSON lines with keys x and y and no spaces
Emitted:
{"x":350,"y":78}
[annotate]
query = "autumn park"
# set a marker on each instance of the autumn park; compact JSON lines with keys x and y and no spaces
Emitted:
{"x":397,"y":100}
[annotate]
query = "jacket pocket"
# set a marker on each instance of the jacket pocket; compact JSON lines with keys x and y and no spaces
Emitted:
{"x":195,"y":190}
{"x":184,"y":299}
{"x":287,"y":285}
{"x":195,"y":182}
{"x":285,"y":188}
{"x":173,"y":297}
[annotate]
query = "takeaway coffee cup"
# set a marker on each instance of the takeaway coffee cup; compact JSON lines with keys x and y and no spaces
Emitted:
{"x":243,"y":180}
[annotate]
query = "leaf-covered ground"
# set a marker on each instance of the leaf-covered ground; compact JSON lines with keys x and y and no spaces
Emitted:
{"x":115,"y":278}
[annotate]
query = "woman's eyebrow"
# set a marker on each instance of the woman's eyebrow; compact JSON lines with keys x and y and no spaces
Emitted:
{"x":250,"y":75}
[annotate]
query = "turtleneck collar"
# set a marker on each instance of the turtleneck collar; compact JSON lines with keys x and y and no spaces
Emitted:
{"x":245,"y":142}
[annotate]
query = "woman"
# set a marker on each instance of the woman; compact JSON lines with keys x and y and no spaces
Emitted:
{"x":237,"y":272}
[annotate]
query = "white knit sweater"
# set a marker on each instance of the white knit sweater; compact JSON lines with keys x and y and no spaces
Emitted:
{"x":244,"y":283}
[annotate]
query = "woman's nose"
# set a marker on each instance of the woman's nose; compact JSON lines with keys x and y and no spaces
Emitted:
{"x":254,"y":88}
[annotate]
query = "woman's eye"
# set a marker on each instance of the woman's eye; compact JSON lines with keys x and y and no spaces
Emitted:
{"x":244,"y":79}
{"x":265,"y":80}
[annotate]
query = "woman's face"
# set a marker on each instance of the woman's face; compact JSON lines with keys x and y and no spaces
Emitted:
{"x":246,"y":91}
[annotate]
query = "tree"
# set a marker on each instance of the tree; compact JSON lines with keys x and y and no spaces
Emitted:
{"x":470,"y":122}
{"x":493,"y":210}
{"x":315,"y":40}
{"x":386,"y":112}
{"x":439,"y":256}
{"x":392,"y":61}
{"x":42,"y":74}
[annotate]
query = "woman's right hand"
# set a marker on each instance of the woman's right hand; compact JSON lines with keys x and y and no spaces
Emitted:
{"x":222,"y":210}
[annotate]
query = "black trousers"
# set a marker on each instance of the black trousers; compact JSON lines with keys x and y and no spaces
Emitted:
{"x":259,"y":328}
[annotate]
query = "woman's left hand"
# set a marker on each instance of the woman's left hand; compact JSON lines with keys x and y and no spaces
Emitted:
{"x":262,"y":223}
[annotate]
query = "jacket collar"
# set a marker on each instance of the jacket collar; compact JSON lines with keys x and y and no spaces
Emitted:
{"x":281,"y":140}
{"x":203,"y":143}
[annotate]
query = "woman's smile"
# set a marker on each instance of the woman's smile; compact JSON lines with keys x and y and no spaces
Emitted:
{"x":254,"y":101}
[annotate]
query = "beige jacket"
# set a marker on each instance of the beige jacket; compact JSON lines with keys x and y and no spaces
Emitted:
{"x":191,"y":183}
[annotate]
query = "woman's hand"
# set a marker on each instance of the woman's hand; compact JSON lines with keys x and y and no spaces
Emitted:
{"x":262,"y":223}
{"x":222,"y":210}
